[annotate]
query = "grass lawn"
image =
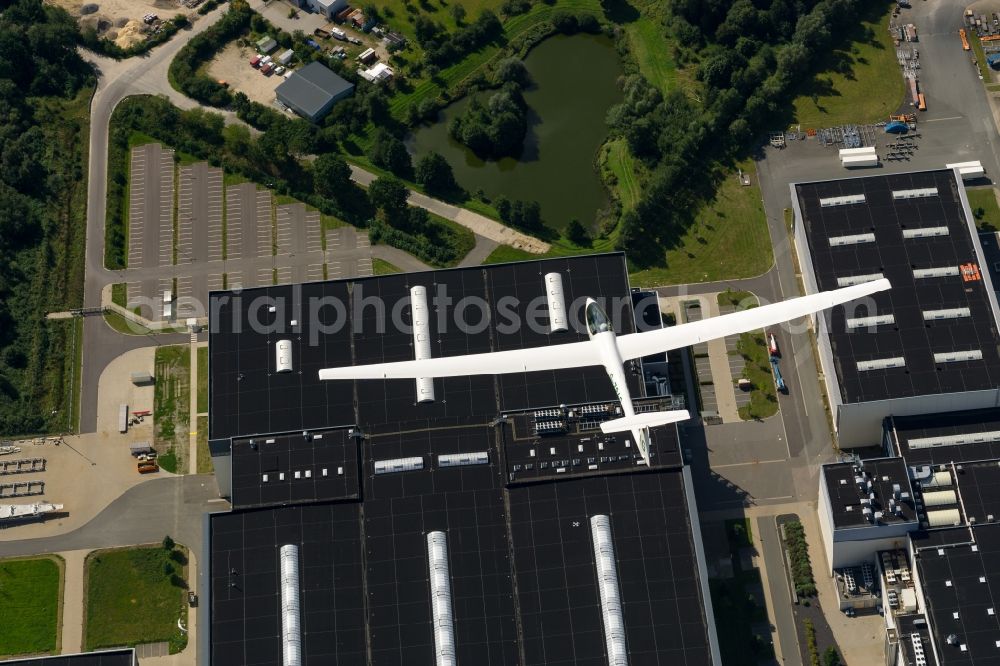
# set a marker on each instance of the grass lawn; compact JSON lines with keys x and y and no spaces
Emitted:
{"x":171,"y":406}
{"x":763,"y":396}
{"x":728,"y":240}
{"x":983,"y":202}
{"x":202,"y":380}
{"x":204,"y":458}
{"x":119,"y":294}
{"x":30,"y":605}
{"x":135,"y":595}
{"x":620,"y":172}
{"x":860,"y":83}
{"x":648,"y":42}
{"x":383,"y":267}
{"x":977,"y":48}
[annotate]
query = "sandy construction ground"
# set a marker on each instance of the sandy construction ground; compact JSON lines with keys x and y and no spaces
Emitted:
{"x":233,"y":66}
{"x":121,"y":20}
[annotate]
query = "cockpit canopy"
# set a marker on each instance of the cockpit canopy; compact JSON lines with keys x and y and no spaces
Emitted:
{"x":597,"y":321}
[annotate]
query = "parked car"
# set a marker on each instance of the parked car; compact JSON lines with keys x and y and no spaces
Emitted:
{"x":279,"y":70}
{"x":148,"y":467}
{"x":192,"y":598}
{"x":354,"y":40}
{"x":267,"y":69}
{"x":255,"y":61}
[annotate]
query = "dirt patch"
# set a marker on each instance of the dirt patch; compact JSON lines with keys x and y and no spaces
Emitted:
{"x":232,"y":65}
{"x":121,"y":20}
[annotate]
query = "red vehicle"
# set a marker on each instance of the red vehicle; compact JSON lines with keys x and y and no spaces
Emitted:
{"x":772,"y":346}
{"x":255,"y":61}
{"x":267,"y":69}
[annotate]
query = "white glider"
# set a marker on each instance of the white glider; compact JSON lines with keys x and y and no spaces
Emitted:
{"x":611,"y":351}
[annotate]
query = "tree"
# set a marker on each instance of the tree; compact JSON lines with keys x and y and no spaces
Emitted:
{"x":831,"y":657}
{"x":502,"y":204}
{"x":458,"y":13}
{"x":331,"y":176}
{"x":168,"y":569}
{"x":390,"y":153}
{"x":168,"y":543}
{"x":511,"y":70}
{"x":577,"y":234}
{"x":389,"y":195}
{"x":435,"y":174}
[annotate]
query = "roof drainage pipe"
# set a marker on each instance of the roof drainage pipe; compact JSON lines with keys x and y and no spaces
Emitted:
{"x":421,"y":339}
{"x":291,"y":625}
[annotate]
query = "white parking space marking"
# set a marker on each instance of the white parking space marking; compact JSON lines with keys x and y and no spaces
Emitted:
{"x":215,"y":282}
{"x":165,"y":218}
{"x":335,"y":270}
{"x":365,"y":268}
{"x":314,"y":232}
{"x":234,"y":223}
{"x":265,"y":277}
{"x":285,"y":275}
{"x":186,"y":214}
{"x":265,"y":225}
{"x":285,"y":229}
{"x":314,"y":272}
{"x":234,"y":280}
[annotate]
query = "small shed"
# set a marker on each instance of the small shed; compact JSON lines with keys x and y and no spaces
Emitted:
{"x":368,"y":56}
{"x":122,"y":418}
{"x":285,"y":57}
{"x":266,"y":44}
{"x":139,"y":448}
{"x":142,"y":378}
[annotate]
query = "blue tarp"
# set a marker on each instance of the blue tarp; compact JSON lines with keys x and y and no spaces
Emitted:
{"x":896,"y":127}
{"x":993,"y":60}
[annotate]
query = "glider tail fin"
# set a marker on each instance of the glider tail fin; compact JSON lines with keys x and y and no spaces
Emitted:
{"x":640,"y":424}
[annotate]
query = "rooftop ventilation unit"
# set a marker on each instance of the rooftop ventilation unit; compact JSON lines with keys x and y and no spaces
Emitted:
{"x":868,"y":322}
{"x":947,"y":313}
{"x":291,"y":626}
{"x":461,"y":459}
{"x":283,"y":356}
{"x":852,"y":280}
{"x":940,"y":498}
{"x":557,"y":302}
{"x":954,"y":440}
{"x":853,"y":239}
{"x":925,"y":232}
{"x":421,"y":340}
{"x":882,"y":364}
{"x":399,"y":465}
{"x":941,"y":271}
{"x":952,"y":357}
{"x":918,"y":650}
{"x":607,"y":579}
{"x":944,"y":518}
{"x":919,"y":193}
{"x":842,"y":201}
{"x":441,"y":608}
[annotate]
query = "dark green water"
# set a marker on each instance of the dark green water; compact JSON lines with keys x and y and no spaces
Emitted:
{"x":574,"y":85}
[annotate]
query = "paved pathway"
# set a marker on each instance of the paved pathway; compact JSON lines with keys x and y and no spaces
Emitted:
{"x":193,"y":414}
{"x":722,"y":377}
{"x":479,"y":224}
{"x":73,"y":596}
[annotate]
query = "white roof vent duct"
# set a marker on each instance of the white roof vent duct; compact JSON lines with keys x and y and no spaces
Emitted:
{"x":557,"y":302}
{"x":421,"y":340}
{"x":283,"y":356}
{"x":607,"y":583}
{"x":444,"y":621}
{"x":291,"y":625}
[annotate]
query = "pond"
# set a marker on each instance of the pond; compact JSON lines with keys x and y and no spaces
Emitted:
{"x":574,"y":86}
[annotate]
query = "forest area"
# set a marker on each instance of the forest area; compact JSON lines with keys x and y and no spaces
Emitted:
{"x":44,"y":100}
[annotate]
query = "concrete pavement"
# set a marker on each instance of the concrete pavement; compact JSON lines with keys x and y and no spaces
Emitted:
{"x":73,"y":601}
{"x":779,"y":598}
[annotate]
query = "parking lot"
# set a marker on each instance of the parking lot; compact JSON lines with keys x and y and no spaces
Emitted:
{"x":225,"y":237}
{"x":232,"y":65}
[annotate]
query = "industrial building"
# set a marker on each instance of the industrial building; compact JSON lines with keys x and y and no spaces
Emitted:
{"x":328,"y":8}
{"x":475,"y":520}
{"x":931,"y":562}
{"x":122,"y":657}
{"x":930,"y":343}
{"x":311,"y":91}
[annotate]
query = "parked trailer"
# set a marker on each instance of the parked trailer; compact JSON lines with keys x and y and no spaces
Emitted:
{"x":122,"y":418}
{"x":968,"y":170}
{"x":859,"y":161}
{"x":921,"y":102}
{"x":965,"y":40}
{"x":320,"y":32}
{"x":779,"y":381}
{"x":849,"y":152}
{"x":914,"y":93}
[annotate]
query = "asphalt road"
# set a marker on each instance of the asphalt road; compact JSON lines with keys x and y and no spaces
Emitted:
{"x":781,"y":598}
{"x":144,"y":514}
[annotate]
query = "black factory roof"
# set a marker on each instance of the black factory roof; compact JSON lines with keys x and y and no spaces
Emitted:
{"x":941,"y":438}
{"x":125,"y":657}
{"x":247,"y":396}
{"x":960,"y":586}
{"x":520,"y":551}
{"x":914,"y":638}
{"x":849,"y":499}
{"x":905,"y":224}
{"x":521,"y":562}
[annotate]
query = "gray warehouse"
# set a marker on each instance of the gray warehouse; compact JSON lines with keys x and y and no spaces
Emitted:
{"x":929,"y":344}
{"x":313,"y":90}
